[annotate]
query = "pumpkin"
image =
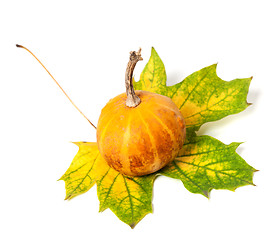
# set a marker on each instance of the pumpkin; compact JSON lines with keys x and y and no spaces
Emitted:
{"x":139,"y":132}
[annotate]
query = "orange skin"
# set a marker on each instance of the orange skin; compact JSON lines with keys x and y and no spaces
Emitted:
{"x":140,"y":140}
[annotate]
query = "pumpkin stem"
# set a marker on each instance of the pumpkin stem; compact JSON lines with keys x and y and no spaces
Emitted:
{"x":132,"y":99}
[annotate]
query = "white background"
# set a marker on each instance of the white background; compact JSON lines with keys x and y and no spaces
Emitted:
{"x":85,"y":45}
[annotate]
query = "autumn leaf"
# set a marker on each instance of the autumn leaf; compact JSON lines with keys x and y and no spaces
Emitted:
{"x":201,"y":97}
{"x":203,"y":163}
{"x":153,"y":76}
{"x":130,"y":198}
{"x":80,"y":176}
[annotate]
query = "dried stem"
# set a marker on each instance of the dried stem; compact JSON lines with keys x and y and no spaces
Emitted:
{"x":20,"y":46}
{"x":132,"y":99}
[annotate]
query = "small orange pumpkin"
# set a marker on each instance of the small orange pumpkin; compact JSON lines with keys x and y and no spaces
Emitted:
{"x":140,"y":132}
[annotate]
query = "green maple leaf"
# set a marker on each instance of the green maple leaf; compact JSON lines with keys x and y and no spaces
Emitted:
{"x":203,"y":163}
{"x":201,"y":97}
{"x":130,"y":198}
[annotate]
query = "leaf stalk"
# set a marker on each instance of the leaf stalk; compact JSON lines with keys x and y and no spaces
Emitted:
{"x":20,"y":46}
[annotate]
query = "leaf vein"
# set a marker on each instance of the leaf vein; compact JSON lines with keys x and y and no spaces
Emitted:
{"x":109,"y":189}
{"x":220,"y":171}
{"x":185,"y":175}
{"x":197,"y":84}
{"x":82,"y":180}
{"x":130,"y":199}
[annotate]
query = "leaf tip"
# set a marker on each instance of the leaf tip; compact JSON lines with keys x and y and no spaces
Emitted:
{"x":235,"y":144}
{"x":69,"y":197}
{"x":207,"y":193}
{"x":153,"y":51}
{"x":215,"y":65}
{"x":76,"y":143}
{"x":62,"y":178}
{"x":102,"y":208}
{"x":132,"y":225}
{"x":213,"y":68}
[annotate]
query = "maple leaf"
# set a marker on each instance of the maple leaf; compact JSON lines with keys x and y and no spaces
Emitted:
{"x":81,"y":174}
{"x":201,"y":97}
{"x":130,"y":198}
{"x":203,"y":163}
